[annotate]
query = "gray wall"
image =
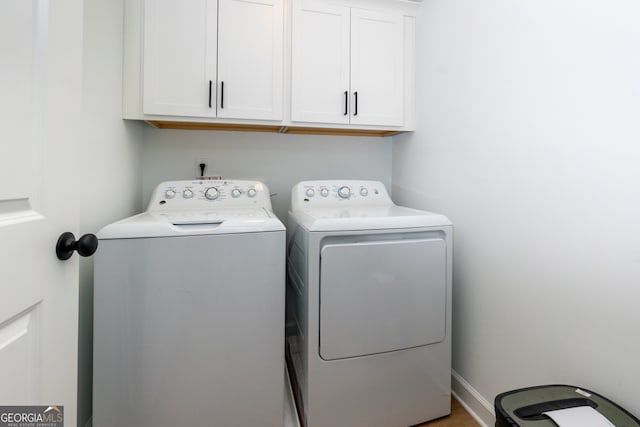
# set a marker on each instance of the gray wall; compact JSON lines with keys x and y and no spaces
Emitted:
{"x":528,"y":138}
{"x":109,"y":170}
{"x":278,"y":160}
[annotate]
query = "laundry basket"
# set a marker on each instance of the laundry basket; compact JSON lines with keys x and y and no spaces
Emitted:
{"x":559,"y":405}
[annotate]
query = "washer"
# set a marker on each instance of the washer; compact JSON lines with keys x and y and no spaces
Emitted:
{"x":189,"y":310}
{"x":368,"y":307}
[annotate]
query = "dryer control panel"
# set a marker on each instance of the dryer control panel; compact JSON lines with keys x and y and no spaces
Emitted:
{"x":339,"y":193}
{"x":209,"y":194}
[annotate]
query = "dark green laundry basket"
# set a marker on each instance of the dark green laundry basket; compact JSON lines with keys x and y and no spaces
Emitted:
{"x":525,"y":407}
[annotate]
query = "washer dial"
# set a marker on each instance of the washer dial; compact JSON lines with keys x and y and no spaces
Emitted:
{"x":251,"y":192}
{"x":187,"y":194}
{"x":170,"y":194}
{"x":344,"y":192}
{"x":235,"y":193}
{"x":211,"y":193}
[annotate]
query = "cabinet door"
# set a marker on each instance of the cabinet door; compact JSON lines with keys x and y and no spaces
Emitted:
{"x":377,"y":68}
{"x":250,"y":56}
{"x":320,"y":62}
{"x":179,"y":57}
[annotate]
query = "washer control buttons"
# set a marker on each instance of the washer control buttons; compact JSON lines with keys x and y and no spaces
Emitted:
{"x":364,"y":192}
{"x":344,"y":192}
{"x":310,"y":192}
{"x":170,"y":194}
{"x":251,"y":192}
{"x":324,"y":192}
{"x":211,"y":193}
{"x":235,"y":193}
{"x":187,"y":194}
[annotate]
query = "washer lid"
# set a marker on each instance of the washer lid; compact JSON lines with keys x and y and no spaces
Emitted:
{"x":192,"y":223}
{"x":367,"y":218}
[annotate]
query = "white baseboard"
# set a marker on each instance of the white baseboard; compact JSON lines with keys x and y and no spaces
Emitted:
{"x":479,"y":407}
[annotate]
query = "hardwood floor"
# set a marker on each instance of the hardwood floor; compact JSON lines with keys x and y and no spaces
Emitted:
{"x":459,"y":418}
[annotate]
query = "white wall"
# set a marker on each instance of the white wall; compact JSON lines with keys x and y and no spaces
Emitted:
{"x":276,"y":159}
{"x":528,"y":138}
{"x":109,"y":180}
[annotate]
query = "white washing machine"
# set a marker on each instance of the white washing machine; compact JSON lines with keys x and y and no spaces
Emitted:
{"x":189,"y":310}
{"x":368,"y":307}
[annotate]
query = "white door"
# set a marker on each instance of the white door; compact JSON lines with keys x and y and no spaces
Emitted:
{"x":377,"y":84}
{"x":40,"y":106}
{"x":320,"y":62}
{"x":250,"y":59}
{"x":179,"y":58}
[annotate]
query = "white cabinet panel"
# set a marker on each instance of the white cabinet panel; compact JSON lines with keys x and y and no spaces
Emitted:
{"x":250,"y":56}
{"x":377,"y":68}
{"x":179,"y":57}
{"x":320,"y":62}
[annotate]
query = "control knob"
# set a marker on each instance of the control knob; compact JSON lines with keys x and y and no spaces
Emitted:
{"x":251,"y":192}
{"x":364,"y":192}
{"x":235,"y":193}
{"x":344,"y":192}
{"x":310,"y":192}
{"x":187,"y":194}
{"x":211,"y":193}
{"x":324,"y":192}
{"x":170,"y":194}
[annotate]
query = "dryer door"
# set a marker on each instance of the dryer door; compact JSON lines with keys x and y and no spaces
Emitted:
{"x":381,"y":296}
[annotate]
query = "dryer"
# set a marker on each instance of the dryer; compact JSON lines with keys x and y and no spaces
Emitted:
{"x":368,"y":307}
{"x":189,"y":310}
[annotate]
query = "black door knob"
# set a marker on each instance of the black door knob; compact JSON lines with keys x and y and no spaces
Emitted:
{"x":85,"y":245}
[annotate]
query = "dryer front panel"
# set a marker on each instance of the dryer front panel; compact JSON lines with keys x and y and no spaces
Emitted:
{"x":381,"y":296}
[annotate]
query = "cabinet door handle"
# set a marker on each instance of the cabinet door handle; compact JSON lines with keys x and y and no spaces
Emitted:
{"x":346,"y":102}
{"x":221,"y":95}
{"x":355,"y":94}
{"x":210,"y":87}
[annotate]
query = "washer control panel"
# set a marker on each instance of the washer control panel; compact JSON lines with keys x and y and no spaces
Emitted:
{"x":209,"y":194}
{"x":332,"y":193}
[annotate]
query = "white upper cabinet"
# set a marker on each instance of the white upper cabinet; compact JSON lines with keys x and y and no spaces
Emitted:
{"x":306,"y":66}
{"x":347,"y":65}
{"x":179,"y":57}
{"x":208,"y":58}
{"x":250,"y":56}
{"x":320,"y":62}
{"x":377,"y":72}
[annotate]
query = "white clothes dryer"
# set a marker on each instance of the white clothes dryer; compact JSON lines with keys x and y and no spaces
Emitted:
{"x":189,"y":310}
{"x":368,"y":307}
